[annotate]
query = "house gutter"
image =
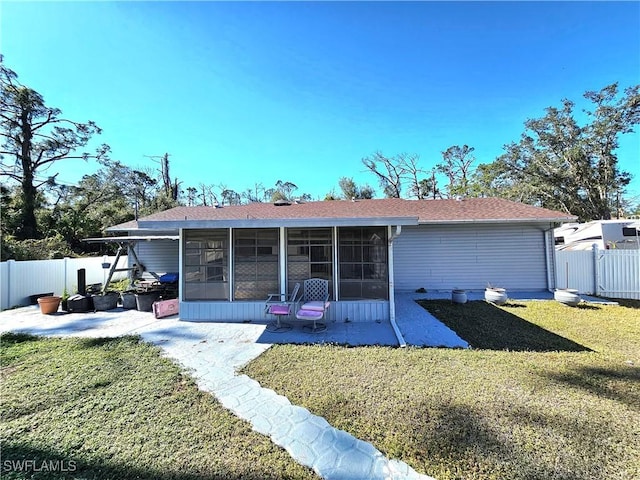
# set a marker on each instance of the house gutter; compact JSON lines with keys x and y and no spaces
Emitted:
{"x":550,"y":259}
{"x":392,"y":297}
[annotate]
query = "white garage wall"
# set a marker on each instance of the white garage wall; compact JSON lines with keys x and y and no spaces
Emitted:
{"x":158,"y":256}
{"x":440,"y":257}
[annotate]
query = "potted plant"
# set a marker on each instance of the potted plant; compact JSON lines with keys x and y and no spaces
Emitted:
{"x":496,"y":295}
{"x":64,"y":299}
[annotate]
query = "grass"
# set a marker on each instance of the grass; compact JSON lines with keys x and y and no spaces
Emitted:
{"x":546,"y":392}
{"x":115,"y":409}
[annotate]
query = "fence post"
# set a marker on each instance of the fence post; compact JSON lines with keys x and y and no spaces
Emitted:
{"x":66,"y":259}
{"x":10,"y":267}
{"x":596,"y":272}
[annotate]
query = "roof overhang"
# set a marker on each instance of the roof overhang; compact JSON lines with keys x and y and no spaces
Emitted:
{"x":498,"y":220}
{"x":131,"y":238}
{"x":278,"y":222}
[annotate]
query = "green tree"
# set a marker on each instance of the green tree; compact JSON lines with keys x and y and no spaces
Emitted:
{"x":350,"y":190}
{"x":35,"y":137}
{"x":562,"y":165}
{"x":108,"y":197}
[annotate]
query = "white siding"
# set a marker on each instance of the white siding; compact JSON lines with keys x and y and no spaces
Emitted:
{"x":443,"y":257}
{"x":357,"y":311}
{"x":158,"y":256}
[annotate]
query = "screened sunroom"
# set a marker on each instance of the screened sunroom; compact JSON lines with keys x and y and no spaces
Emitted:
{"x":242,"y":266}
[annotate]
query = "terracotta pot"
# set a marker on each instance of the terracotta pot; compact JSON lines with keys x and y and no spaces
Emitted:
{"x":49,"y":305}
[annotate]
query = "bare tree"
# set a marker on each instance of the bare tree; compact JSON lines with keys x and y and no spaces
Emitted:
{"x":255,"y":194}
{"x":207,"y":195}
{"x":456,"y":165}
{"x":418,"y":187}
{"x":34,"y":138}
{"x":389,"y":171}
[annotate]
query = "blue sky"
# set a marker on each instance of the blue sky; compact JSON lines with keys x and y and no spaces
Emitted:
{"x":243,"y":92}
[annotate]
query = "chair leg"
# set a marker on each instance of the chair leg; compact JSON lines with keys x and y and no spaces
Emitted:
{"x":278,"y":327}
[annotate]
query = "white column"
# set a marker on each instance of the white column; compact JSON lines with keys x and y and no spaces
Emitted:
{"x":283,"y":261}
{"x":230,"y":279}
{"x":336,"y":280}
{"x":392,"y":303}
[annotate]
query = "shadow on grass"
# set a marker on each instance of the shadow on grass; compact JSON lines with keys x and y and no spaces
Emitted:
{"x":10,"y":338}
{"x":486,"y":326}
{"x":102,"y":341}
{"x":625,"y":302}
{"x":586,"y":306}
{"x":21,"y":461}
{"x":457,"y":435}
{"x":618,"y":383}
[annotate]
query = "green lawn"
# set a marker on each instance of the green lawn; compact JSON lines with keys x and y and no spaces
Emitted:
{"x":115,"y":409}
{"x":546,"y":392}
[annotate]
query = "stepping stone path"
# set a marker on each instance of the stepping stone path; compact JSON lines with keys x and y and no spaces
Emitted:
{"x":308,"y":438}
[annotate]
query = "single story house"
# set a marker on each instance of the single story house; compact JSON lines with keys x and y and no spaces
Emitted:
{"x":230,"y":258}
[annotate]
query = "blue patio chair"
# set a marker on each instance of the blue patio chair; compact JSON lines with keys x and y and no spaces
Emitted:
{"x":314,"y":304}
{"x":281,"y":305}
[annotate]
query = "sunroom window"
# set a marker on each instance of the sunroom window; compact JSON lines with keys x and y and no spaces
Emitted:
{"x":309,"y":255}
{"x":206,"y":265}
{"x":363,"y":263}
{"x":255,"y":260}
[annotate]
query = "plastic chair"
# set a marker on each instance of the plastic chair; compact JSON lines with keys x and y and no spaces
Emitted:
{"x":315,"y":302}
{"x":280,"y":305}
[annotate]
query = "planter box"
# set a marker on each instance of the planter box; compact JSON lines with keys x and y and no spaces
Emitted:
{"x":165,"y":308}
{"x":108,"y":301}
{"x":79,"y":304}
{"x":129,"y":300}
{"x":144,"y":301}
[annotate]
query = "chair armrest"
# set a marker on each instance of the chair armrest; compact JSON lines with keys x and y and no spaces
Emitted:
{"x":274,"y":297}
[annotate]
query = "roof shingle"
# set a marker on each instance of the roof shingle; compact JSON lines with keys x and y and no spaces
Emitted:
{"x":426,"y":211}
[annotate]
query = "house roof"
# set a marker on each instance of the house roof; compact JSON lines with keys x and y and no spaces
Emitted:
{"x":389,"y":211}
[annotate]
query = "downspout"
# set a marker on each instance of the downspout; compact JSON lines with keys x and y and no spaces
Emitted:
{"x":181,"y":280}
{"x":550,"y":260}
{"x":392,"y":297}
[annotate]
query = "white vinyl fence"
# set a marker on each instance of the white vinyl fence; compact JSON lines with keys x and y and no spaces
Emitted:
{"x":20,"y":280}
{"x":607,"y":273}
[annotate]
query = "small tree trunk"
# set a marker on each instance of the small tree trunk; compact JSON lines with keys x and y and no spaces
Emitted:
{"x":29,"y":192}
